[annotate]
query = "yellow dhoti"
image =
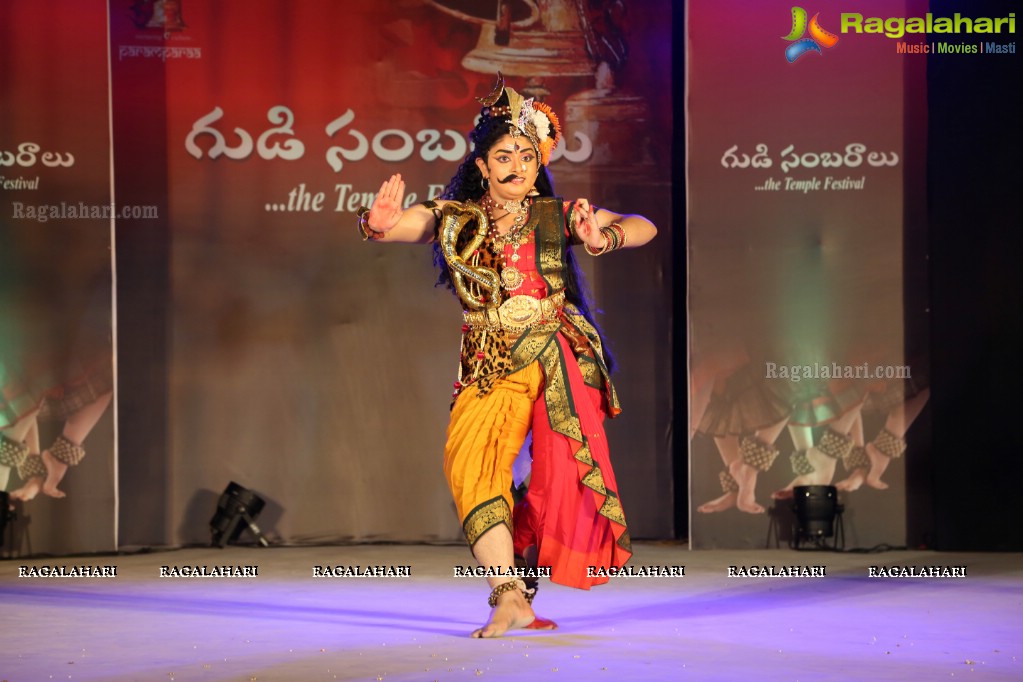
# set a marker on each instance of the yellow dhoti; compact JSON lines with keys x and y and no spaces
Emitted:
{"x":484,"y":437}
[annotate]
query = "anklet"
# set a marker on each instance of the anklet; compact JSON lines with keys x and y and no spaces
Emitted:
{"x":501,"y":589}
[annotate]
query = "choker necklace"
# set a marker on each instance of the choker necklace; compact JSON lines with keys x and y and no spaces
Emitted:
{"x":510,"y":206}
{"x":511,"y":276}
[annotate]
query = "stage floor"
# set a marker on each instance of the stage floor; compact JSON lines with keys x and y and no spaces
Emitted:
{"x":286,"y":624}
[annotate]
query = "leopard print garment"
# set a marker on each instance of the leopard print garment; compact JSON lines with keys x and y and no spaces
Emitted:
{"x":496,"y":361}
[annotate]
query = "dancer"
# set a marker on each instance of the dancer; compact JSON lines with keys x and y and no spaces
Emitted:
{"x":531,"y":359}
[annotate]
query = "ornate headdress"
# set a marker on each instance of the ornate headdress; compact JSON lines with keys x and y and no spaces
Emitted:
{"x":527,"y":117}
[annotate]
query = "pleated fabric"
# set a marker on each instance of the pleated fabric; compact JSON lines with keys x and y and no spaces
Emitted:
{"x":483,"y":438}
{"x":566,"y":519}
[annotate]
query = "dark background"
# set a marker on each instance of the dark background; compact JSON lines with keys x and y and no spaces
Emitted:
{"x":974,"y":220}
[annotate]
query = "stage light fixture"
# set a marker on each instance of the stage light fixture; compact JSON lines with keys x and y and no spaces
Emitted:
{"x":817,"y":508}
{"x":237,"y":509}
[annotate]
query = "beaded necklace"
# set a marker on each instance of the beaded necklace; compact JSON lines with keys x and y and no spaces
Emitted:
{"x":511,"y":276}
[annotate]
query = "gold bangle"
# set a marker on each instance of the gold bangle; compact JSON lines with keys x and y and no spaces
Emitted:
{"x":614,"y":239}
{"x":367,"y":232}
{"x":622,"y":236}
{"x":604,"y":249}
{"x":615,"y":229}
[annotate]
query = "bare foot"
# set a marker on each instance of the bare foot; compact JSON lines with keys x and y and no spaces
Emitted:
{"x":786,"y":492}
{"x":878,"y":464}
{"x":55,"y":470}
{"x":726,"y":501}
{"x":746,"y":476}
{"x":823,"y":472}
{"x":853,"y":481}
{"x":29,"y":490}
{"x":512,"y":612}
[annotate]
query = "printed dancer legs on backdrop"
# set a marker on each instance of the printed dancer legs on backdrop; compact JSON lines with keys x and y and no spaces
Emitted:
{"x":867,"y":463}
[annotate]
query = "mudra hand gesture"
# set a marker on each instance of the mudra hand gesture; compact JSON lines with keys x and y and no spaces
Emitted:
{"x":386,"y":209}
{"x":586,"y":226}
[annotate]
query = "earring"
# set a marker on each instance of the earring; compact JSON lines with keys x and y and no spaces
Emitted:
{"x":485,"y":184}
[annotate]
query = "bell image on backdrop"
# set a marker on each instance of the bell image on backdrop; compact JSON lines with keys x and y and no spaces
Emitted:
{"x":558,"y":39}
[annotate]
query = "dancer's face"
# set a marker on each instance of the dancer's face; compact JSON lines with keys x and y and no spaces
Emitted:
{"x":511,"y":165}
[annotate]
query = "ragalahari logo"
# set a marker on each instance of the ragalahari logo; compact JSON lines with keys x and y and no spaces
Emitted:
{"x":800,"y":45}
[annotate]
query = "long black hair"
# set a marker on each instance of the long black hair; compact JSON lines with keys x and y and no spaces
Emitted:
{"x":467,"y":185}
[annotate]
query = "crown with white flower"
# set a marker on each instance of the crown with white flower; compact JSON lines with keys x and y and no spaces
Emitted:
{"x":528,"y":117}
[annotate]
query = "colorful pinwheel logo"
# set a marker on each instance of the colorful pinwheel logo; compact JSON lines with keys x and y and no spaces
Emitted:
{"x":800,"y":45}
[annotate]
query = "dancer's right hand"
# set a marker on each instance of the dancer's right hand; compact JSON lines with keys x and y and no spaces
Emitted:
{"x":386,"y":209}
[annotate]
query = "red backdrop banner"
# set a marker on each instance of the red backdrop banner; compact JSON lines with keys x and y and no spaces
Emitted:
{"x":798,"y":146}
{"x":312,"y":366}
{"x":56,"y":220}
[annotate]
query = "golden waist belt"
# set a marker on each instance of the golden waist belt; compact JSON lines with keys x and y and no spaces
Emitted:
{"x":517,"y":314}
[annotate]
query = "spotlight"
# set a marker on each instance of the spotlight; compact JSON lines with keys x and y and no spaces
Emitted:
{"x":816,"y":507}
{"x":237,"y":509}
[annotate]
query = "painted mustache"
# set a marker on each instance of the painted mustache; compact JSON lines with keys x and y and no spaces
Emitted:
{"x":508,"y":178}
